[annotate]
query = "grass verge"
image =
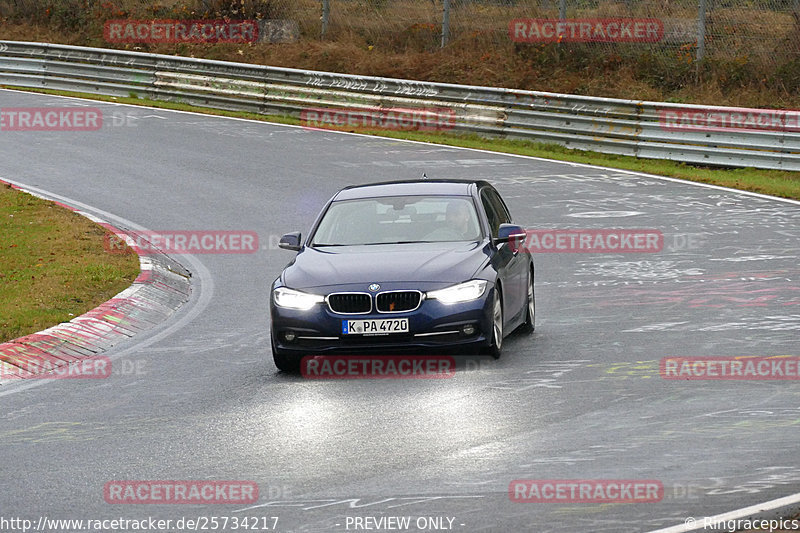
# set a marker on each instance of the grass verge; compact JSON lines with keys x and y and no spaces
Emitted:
{"x":785,"y":184}
{"x":53,"y":265}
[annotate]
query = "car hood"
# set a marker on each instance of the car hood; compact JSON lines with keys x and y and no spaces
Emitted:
{"x":421,"y":262}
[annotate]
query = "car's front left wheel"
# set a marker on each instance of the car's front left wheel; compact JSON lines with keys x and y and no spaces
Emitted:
{"x":530,"y":313}
{"x":496,"y":344}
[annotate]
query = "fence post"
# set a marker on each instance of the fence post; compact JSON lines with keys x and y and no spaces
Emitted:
{"x":326,"y":15}
{"x":562,"y":14}
{"x":701,"y":31}
{"x":445,"y":23}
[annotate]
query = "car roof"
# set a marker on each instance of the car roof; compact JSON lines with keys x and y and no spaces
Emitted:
{"x":455,"y":187}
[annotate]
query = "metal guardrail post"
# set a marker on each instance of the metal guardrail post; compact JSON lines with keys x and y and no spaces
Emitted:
{"x":445,"y":23}
{"x":562,"y":14}
{"x":326,"y":15}
{"x":701,"y":31}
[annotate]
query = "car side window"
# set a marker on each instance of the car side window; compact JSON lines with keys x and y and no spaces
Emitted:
{"x":499,"y":206}
{"x":491,"y":212}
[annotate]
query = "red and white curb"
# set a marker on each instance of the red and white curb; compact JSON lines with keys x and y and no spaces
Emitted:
{"x":160,"y":289}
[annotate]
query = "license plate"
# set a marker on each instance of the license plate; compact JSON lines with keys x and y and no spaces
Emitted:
{"x":375,"y":327}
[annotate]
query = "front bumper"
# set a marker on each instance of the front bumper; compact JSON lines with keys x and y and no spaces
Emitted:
{"x":433,"y":327}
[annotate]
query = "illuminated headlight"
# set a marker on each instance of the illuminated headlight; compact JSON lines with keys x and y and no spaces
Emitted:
{"x":463,"y":292}
{"x":293,"y":299}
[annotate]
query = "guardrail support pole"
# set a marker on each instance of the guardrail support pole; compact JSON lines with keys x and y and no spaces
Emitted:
{"x":445,"y":23}
{"x":701,"y":31}
{"x":326,"y":15}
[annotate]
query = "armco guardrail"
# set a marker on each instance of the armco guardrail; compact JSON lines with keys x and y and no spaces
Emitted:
{"x":696,"y":134}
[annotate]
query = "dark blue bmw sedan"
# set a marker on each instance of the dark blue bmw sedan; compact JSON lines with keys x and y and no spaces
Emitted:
{"x":425,"y":266}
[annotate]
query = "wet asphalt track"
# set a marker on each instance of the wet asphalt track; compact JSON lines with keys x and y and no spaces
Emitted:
{"x":579,"y":399}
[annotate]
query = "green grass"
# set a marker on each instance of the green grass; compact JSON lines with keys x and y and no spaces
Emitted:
{"x":53,"y":265}
{"x":780,"y":183}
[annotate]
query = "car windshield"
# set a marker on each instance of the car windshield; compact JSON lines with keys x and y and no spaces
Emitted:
{"x":398,"y":220}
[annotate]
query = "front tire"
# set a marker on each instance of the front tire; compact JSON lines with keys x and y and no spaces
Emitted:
{"x":496,"y":344}
{"x":530,"y":313}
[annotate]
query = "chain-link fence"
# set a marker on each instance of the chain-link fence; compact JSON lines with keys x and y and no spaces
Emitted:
{"x":760,"y":29}
{"x":710,"y":28}
{"x":746,"y":38}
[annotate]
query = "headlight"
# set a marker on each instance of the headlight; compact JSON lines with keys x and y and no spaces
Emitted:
{"x":463,"y":292}
{"x":293,"y":299}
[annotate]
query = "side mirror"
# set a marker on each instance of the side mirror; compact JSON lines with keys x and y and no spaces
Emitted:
{"x":290,"y":241}
{"x":510,"y":233}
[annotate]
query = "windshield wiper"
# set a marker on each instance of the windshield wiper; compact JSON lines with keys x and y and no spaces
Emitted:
{"x":373,"y":243}
{"x":395,"y":242}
